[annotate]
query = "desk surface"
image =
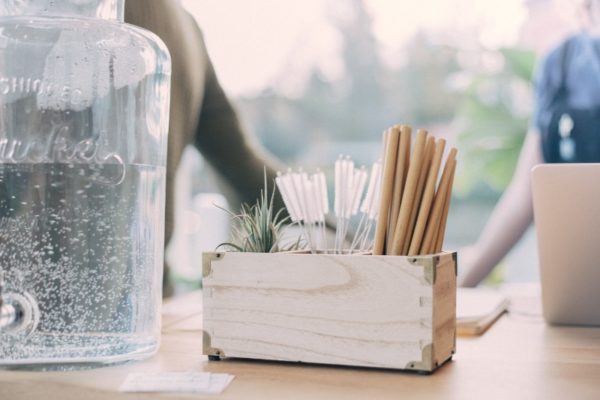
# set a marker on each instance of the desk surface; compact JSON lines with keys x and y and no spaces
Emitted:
{"x":519,"y":357}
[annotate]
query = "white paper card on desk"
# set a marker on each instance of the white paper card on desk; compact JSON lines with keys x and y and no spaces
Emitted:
{"x":477,"y":309}
{"x":180,"y":382}
{"x":218,"y":383}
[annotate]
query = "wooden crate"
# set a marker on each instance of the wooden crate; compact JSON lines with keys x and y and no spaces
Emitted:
{"x":357,"y":310}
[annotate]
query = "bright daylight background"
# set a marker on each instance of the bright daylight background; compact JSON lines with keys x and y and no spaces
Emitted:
{"x":316,"y":78}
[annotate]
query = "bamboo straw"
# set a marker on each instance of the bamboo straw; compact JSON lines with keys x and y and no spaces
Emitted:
{"x":408,"y":131}
{"x":399,"y":181}
{"x":391,"y":154}
{"x":436,"y":212}
{"x":429,"y":149}
{"x":442,"y":229}
{"x":408,"y":199}
{"x":427,"y":200}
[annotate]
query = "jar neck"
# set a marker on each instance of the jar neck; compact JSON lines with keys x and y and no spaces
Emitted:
{"x":102,"y":9}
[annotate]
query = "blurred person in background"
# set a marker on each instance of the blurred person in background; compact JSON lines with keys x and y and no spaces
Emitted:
{"x":201,"y":114}
{"x":563,"y":128}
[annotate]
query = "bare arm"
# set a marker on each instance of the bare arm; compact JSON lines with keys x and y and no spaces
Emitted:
{"x":510,"y":219}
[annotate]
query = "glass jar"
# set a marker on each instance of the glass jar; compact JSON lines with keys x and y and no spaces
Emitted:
{"x":84,"y":103}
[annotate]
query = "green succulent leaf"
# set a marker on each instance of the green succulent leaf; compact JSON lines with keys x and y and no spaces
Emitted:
{"x":257,"y":228}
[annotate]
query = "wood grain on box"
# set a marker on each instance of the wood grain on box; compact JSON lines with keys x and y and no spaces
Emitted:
{"x":360,"y":310}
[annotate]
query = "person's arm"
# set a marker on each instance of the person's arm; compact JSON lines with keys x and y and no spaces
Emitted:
{"x":222,"y":142}
{"x":514,"y":212}
{"x":510,"y":219}
{"x":200,"y":110}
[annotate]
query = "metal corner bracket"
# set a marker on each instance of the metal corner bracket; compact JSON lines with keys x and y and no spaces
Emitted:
{"x":207,"y":349}
{"x":455,"y":260}
{"x":207,"y":259}
{"x":426,"y":363}
{"x":429,"y":265}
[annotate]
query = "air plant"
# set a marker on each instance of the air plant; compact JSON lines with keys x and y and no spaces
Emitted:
{"x":258,"y":228}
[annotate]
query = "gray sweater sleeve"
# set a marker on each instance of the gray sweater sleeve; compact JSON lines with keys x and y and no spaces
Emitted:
{"x":224,"y":144}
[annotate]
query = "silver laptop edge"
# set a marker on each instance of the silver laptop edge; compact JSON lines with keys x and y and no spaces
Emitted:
{"x":566,"y":199}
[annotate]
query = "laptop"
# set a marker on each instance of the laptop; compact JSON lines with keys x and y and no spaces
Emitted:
{"x":566,"y":204}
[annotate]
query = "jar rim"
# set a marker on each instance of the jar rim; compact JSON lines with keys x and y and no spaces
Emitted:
{"x":101,"y":9}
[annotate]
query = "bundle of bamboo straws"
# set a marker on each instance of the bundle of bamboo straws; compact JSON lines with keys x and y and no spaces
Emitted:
{"x":413,"y":206}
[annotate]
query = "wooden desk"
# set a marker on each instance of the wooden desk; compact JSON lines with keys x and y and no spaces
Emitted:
{"x":518,"y":358}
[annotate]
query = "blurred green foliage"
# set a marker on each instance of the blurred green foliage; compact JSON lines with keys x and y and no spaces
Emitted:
{"x":492,"y":120}
{"x":371,"y":96}
{"x":479,"y":99}
{"x":486,"y":115}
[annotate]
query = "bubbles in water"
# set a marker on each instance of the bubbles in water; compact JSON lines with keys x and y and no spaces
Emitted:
{"x":86,"y":251}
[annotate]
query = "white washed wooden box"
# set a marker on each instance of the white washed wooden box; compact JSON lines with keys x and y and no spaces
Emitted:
{"x":356,"y":310}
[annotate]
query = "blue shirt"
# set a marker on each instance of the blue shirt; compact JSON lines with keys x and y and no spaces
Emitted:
{"x":582,"y":76}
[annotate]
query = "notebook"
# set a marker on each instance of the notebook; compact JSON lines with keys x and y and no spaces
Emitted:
{"x":477,"y":309}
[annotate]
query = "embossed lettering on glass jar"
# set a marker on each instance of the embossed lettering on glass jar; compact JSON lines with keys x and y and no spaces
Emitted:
{"x":84,"y":101}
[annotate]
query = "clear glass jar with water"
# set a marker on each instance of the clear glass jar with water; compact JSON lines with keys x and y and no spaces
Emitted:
{"x":84,"y":104}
